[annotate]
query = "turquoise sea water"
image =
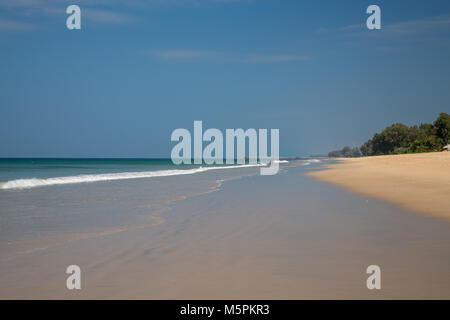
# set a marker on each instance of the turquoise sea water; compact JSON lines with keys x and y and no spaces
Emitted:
{"x":21,"y":173}
{"x":49,"y":197}
{"x":20,"y":168}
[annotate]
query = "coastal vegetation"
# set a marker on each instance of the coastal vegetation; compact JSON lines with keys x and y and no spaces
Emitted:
{"x":345,"y":152}
{"x":399,"y":138}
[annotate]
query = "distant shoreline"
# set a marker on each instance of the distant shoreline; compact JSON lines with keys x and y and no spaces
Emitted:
{"x":419,"y":182}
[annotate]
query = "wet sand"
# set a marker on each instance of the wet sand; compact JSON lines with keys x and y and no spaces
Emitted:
{"x":419,"y":182}
{"x":286,"y":236}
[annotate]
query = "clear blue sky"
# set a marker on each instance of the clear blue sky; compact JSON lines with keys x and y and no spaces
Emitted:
{"x":139,"y":69}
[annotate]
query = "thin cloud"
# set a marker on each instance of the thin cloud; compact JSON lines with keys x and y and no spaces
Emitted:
{"x":38,"y":9}
{"x":124,"y":3}
{"x":204,"y":55}
{"x":436,"y":24}
{"x":184,"y":54}
{"x":15,"y":25}
{"x":19,"y":3}
{"x":267,"y":58}
{"x":109,"y":17}
{"x":100,"y":11}
{"x":429,"y":25}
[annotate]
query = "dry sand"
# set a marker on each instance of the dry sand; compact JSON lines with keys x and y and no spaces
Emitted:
{"x":419,"y":182}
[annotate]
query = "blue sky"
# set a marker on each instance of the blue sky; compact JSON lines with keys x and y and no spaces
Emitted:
{"x":140,"y":69}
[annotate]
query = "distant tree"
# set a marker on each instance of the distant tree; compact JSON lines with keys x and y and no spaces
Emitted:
{"x":356,"y":152}
{"x":428,"y":144}
{"x":399,"y":138}
{"x":335,"y":154}
{"x":442,"y":125}
{"x":413,"y":133}
{"x":345,"y":152}
{"x":400,"y":150}
{"x":426,"y":129}
{"x":366,"y":148}
{"x":394,"y":136}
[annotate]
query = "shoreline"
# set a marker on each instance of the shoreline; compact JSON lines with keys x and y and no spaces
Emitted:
{"x":304,"y":238}
{"x":418,"y":182}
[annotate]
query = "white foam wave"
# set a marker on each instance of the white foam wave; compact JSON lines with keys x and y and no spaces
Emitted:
{"x":281,"y":161}
{"x":40,"y":182}
{"x":310,"y":161}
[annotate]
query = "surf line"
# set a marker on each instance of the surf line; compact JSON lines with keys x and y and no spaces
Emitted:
{"x":84,"y":178}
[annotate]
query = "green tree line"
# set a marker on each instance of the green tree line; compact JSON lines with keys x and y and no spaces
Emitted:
{"x":399,"y":138}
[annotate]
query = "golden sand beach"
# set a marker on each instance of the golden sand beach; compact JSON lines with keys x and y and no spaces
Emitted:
{"x":419,"y":182}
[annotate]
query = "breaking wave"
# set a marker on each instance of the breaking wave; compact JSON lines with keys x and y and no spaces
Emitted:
{"x":40,"y":182}
{"x":310,"y":161}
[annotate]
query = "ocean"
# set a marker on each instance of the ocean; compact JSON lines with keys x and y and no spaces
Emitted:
{"x":42,"y":197}
{"x":148,"y":230}
{"x":21,"y":173}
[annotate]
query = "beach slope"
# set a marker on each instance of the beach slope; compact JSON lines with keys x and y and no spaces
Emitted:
{"x":419,"y":182}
